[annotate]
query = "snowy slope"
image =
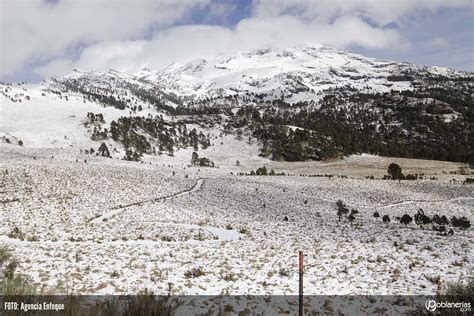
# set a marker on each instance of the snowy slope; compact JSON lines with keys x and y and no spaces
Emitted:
{"x":52,"y":114}
{"x":302,"y":73}
{"x":43,"y":119}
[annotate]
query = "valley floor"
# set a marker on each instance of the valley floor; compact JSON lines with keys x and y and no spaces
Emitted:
{"x":103,"y":226}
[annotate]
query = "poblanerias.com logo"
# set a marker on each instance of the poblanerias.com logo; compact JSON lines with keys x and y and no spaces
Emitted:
{"x":432,"y":305}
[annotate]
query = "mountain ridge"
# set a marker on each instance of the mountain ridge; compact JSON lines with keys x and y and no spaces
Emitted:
{"x":297,"y":104}
{"x":302,"y":73}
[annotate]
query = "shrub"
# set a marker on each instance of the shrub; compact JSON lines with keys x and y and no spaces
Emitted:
{"x":262,"y":171}
{"x":243,"y":231}
{"x":462,"y":222}
{"x":16,"y":233}
{"x":351,"y":218}
{"x":440,"y":220}
{"x":376,"y":214}
{"x":440,"y":228}
{"x":342,"y":209}
{"x":386,"y":219}
{"x":461,"y":289}
{"x":167,"y":238}
{"x":395,"y":171}
{"x":406,"y":219}
{"x":145,"y":303}
{"x":103,"y":150}
{"x":352,"y":215}
{"x":194,"y":273}
{"x":115,"y":274}
{"x":12,"y":283}
{"x":458,"y":292}
{"x":421,"y":219}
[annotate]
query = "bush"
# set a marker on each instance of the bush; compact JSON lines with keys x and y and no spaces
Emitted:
{"x":145,"y":303}
{"x":406,"y":219}
{"x":262,"y":171}
{"x":194,"y":273}
{"x":457,"y":289}
{"x":167,"y":238}
{"x":440,"y":228}
{"x":16,"y":233}
{"x":376,"y":214}
{"x":386,"y":219}
{"x":342,"y":209}
{"x":243,"y":231}
{"x":458,"y":292}
{"x":462,"y":222}
{"x":421,"y":219}
{"x":352,"y":215}
{"x":12,"y":283}
{"x":440,"y":220}
{"x":395,"y":171}
{"x":103,"y":150}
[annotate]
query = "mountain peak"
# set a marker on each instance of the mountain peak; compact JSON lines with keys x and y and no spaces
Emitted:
{"x":301,"y":73}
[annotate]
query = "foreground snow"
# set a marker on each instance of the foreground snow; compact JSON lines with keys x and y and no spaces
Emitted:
{"x":109,"y":226}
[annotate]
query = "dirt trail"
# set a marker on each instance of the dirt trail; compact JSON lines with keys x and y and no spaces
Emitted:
{"x":116,"y":210}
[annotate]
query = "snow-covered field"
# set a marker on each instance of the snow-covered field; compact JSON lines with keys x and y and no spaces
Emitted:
{"x":111,"y":226}
{"x":79,"y":223}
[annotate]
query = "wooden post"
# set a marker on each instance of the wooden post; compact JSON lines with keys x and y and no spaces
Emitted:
{"x":300,"y":268}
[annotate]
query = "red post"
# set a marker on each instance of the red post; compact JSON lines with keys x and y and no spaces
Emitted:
{"x":300,"y":268}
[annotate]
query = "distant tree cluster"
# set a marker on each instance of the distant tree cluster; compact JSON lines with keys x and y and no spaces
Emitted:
{"x":200,"y":161}
{"x":435,"y":121}
{"x":94,"y":124}
{"x":96,"y":95}
{"x":152,"y":135}
{"x":343,"y":211}
{"x":438,"y":222}
{"x":394,"y":172}
{"x":263,"y":171}
{"x":469,"y":181}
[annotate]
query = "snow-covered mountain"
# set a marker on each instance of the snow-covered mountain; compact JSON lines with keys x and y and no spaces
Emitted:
{"x":347,"y":104}
{"x":302,"y":73}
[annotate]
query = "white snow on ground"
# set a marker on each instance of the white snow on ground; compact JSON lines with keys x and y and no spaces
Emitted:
{"x":229,"y":226}
{"x":99,"y":225}
{"x":48,"y":121}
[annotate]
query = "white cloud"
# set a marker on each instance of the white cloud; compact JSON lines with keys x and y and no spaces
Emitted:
{"x":439,"y":43}
{"x":183,"y":43}
{"x":32,"y":31}
{"x":125,"y":35}
{"x":221,"y":10}
{"x":56,"y":68}
{"x":381,"y":12}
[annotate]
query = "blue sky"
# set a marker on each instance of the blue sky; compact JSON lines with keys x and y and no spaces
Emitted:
{"x":51,"y":38}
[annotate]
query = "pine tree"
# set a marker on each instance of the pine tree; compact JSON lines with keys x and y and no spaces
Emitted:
{"x":194,"y":158}
{"x":103,"y":150}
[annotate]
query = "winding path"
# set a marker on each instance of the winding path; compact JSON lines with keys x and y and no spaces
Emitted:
{"x":422,"y":201}
{"x":116,"y":210}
